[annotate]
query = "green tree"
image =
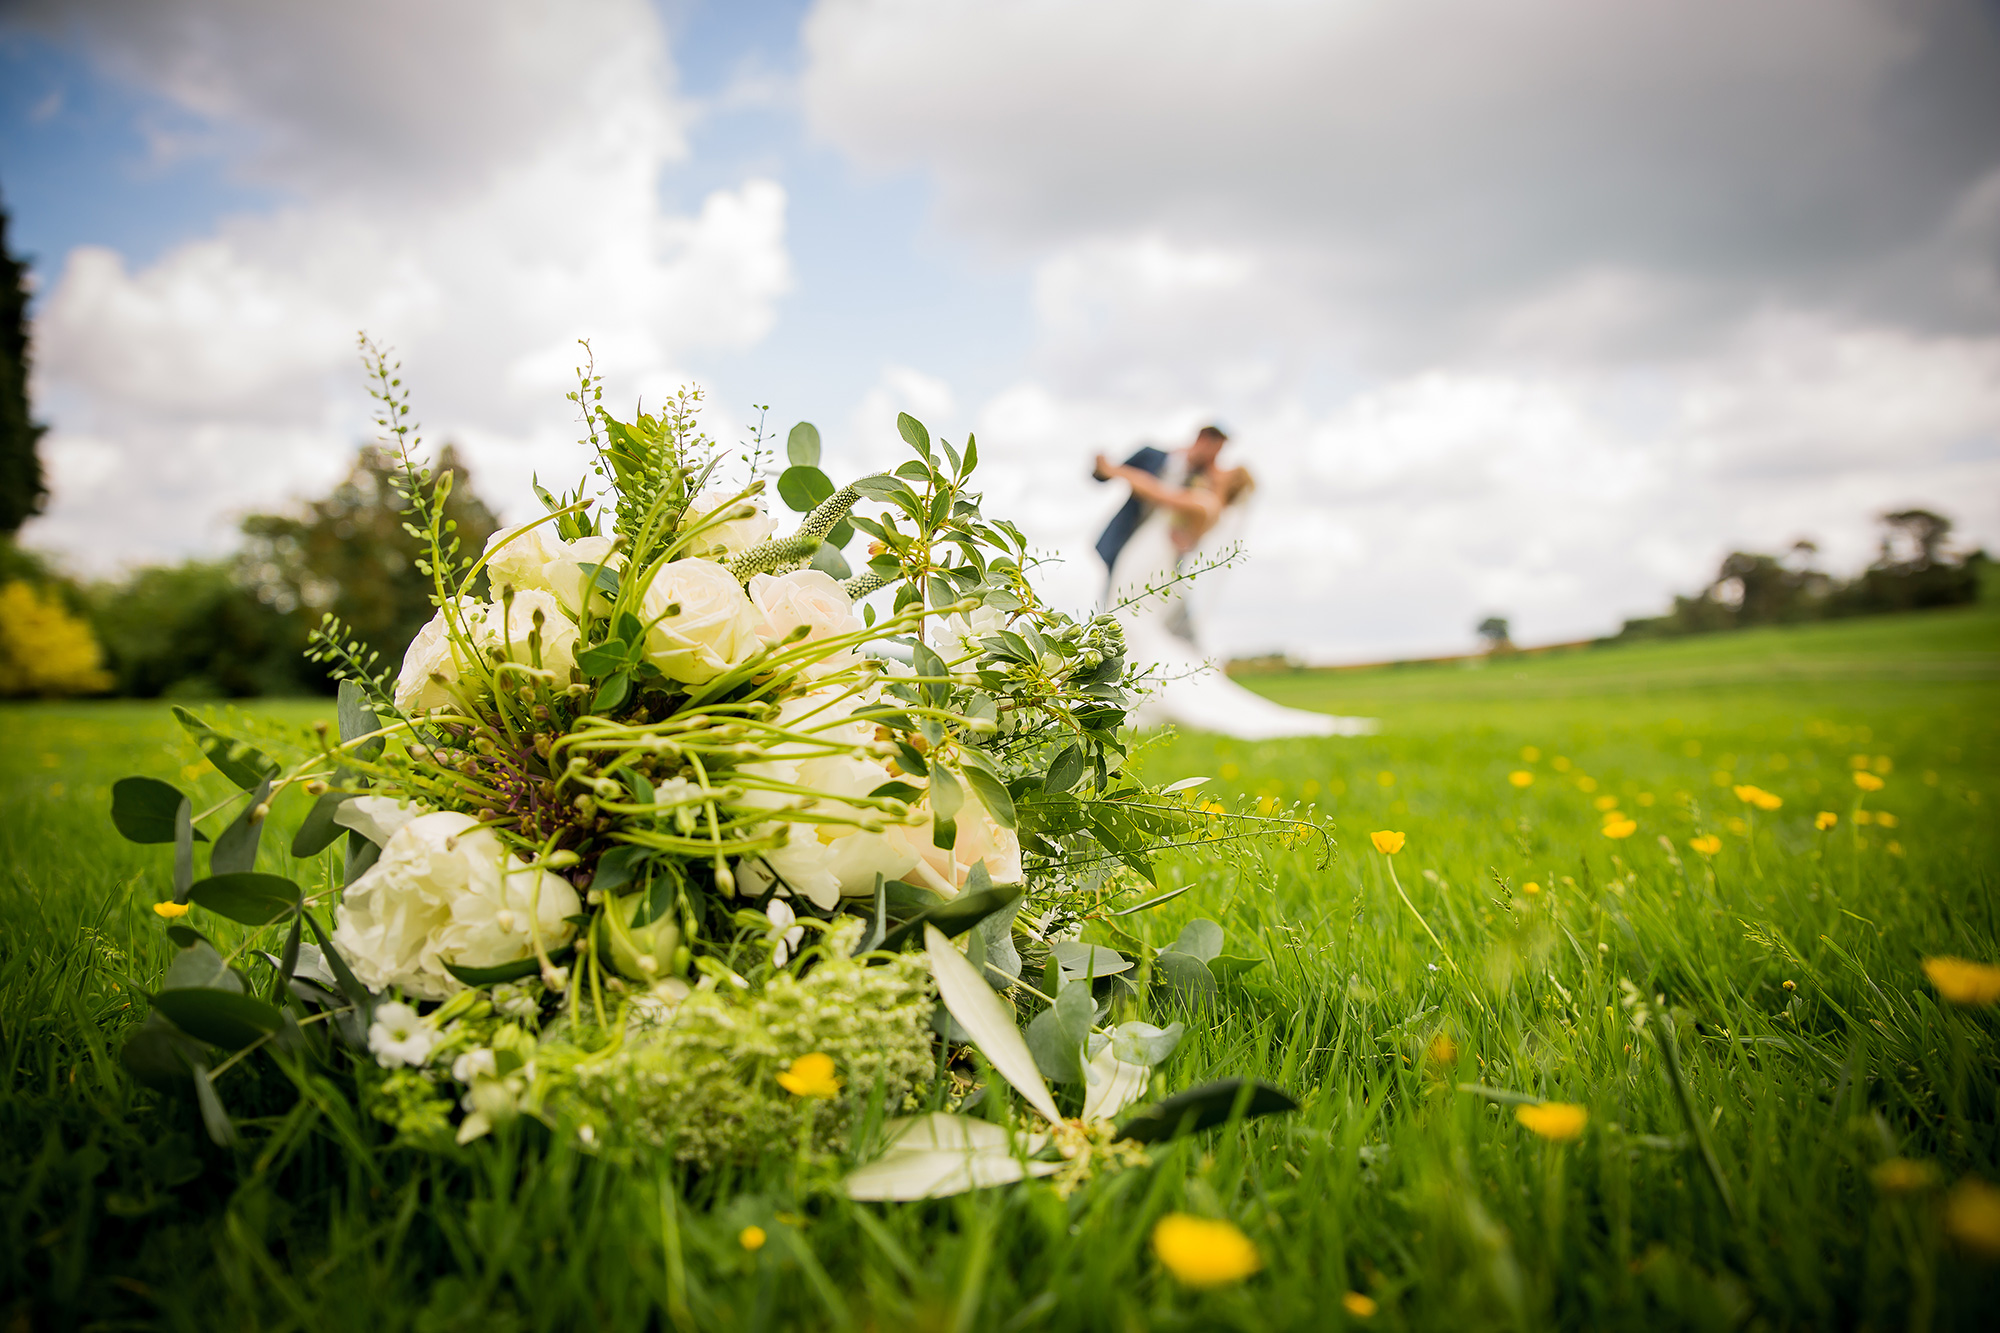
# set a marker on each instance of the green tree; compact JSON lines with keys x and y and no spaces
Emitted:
{"x":22,"y":489}
{"x":193,"y":630}
{"x":349,"y":554}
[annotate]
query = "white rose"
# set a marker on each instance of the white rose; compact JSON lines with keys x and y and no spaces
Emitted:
{"x":731,"y":537}
{"x":825,"y":862}
{"x":505,"y":630}
{"x":431,"y":665}
{"x":398,"y":1037}
{"x":712,"y":625}
{"x":567,"y":578}
{"x":980,"y":840}
{"x":803,"y":597}
{"x":446,"y":891}
{"x":519,"y":559}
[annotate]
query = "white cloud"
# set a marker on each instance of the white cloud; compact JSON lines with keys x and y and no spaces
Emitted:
{"x":478,"y":185}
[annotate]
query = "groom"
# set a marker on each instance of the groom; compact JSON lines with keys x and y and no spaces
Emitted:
{"x":1176,"y":469}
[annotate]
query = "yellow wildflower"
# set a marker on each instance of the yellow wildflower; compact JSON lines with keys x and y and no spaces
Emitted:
{"x":1531,"y":887}
{"x":1707,"y":844}
{"x":1560,"y":1121}
{"x":1972,"y":1216}
{"x":1864,"y":817}
{"x":1825,"y":820}
{"x":1737,"y":826}
{"x":1559,"y":764}
{"x":1900,"y":1175}
{"x":1586,"y":784}
{"x":1521,"y":777}
{"x":751,"y":1238}
{"x":171,"y":910}
{"x":1894,"y":848}
{"x":1883,"y":764}
{"x":1962,"y":981}
{"x":1606,"y":803}
{"x":1868,"y":781}
{"x":1230,"y":772}
{"x":1529,"y":754}
{"x":1443,"y":1050}
{"x":1386,"y":841}
{"x":811,"y":1076}
{"x":1204,"y":1252}
{"x":1621,"y":828}
{"x":1758,"y":797}
{"x":1361,"y":1307}
{"x":1885,"y":819}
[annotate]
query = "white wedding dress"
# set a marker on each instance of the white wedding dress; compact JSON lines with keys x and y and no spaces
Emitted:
{"x":1186,"y":691}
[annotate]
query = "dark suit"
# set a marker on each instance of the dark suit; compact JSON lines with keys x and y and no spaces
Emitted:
{"x":1127,"y":520}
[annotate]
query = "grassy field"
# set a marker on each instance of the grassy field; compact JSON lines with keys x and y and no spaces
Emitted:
{"x":1781,"y":972}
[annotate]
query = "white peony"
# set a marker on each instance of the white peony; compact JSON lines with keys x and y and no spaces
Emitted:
{"x":432,"y":665}
{"x":732,"y":537}
{"x":399,"y":1037}
{"x":447,"y":891}
{"x":698,"y":622}
{"x":376,"y":818}
{"x":803,"y":597}
{"x":505,"y":631}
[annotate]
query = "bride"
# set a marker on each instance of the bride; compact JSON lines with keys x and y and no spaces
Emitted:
{"x":1180,"y":521}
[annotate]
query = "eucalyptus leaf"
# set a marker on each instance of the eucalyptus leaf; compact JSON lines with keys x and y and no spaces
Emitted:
{"x":213,"y":1118}
{"x":239,"y":761}
{"x":1200,"y":939}
{"x":802,"y":445}
{"x":1001,"y":965}
{"x":1089,"y":960}
{"x":357,"y":719}
{"x":1204,"y":1107}
{"x":361,"y":854}
{"x":955,"y":916}
{"x":881,"y":486}
{"x":247,"y":897}
{"x":236,"y":846}
{"x":317,"y":831}
{"x":1057,"y":1034}
{"x":199,"y":965}
{"x":804,"y":489}
{"x":229,"y":1019}
{"x":143,"y":809}
{"x":829,"y":561}
{"x":159,"y":1054}
{"x":1184,"y":973}
{"x":1138,"y":1043}
{"x":490,"y":976}
{"x":1227,"y":967}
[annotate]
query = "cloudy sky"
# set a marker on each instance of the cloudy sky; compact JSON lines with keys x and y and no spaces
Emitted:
{"x":1536,"y":308}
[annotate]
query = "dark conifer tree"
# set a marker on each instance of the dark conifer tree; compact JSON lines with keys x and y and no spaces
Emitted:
{"x":22,"y":489}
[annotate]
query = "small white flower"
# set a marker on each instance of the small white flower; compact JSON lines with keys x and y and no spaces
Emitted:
{"x":475,"y":1063}
{"x":513,"y":1000}
{"x":782,"y":918}
{"x":399,"y":1037}
{"x":959,"y":635}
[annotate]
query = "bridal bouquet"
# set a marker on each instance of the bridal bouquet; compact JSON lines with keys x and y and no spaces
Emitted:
{"x":662,"y":837}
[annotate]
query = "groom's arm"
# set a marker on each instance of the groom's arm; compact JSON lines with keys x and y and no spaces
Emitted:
{"x":1146,"y":458}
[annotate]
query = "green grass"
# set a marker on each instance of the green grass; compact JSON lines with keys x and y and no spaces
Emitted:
{"x":115,"y":1211}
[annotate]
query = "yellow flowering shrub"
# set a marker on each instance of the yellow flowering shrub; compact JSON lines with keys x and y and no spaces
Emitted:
{"x":44,"y":650}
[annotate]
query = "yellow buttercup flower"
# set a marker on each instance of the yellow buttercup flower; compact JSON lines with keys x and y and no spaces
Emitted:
{"x":1868,"y":781}
{"x":1531,"y":887}
{"x":1559,"y":1121}
{"x":751,"y":1238}
{"x":171,"y":910}
{"x":1964,"y":982}
{"x":1443,"y":1050}
{"x":1825,"y":820}
{"x":1621,"y":828}
{"x":811,"y":1076}
{"x":1520,"y":777}
{"x":1885,"y":819}
{"x":1204,"y":1252}
{"x":1387,"y":841}
{"x":1758,"y":797}
{"x":1606,"y":803}
{"x":1361,"y":1307}
{"x":1972,"y":1216}
{"x":1900,"y":1175}
{"x":1707,"y":844}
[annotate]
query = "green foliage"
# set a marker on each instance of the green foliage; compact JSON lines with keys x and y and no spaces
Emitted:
{"x":1915,"y":571}
{"x":194,"y":631}
{"x":349,"y":554}
{"x":22,"y":487}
